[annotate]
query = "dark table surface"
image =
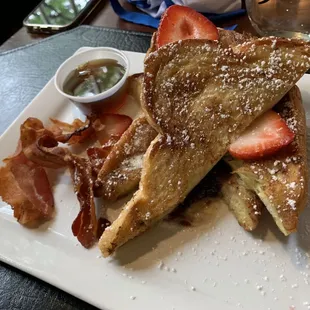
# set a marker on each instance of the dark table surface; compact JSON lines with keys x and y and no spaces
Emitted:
{"x":19,"y":290}
{"x":104,"y":16}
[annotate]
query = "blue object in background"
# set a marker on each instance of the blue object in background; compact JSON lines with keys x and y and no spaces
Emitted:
{"x":148,"y":20}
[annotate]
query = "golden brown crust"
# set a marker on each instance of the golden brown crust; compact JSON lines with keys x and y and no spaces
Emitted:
{"x":176,"y":75}
{"x":195,"y":95}
{"x":226,"y":37}
{"x":162,"y":182}
{"x":232,"y":38}
{"x":242,"y":202}
{"x":121,"y":171}
{"x":117,"y":182}
{"x":281,"y":181}
{"x":135,"y":86}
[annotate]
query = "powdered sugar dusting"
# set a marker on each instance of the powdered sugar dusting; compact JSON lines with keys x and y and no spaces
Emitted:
{"x":186,"y":91}
{"x":257,"y":256}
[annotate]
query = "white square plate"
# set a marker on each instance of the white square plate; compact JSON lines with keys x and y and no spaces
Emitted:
{"x":216,"y":265}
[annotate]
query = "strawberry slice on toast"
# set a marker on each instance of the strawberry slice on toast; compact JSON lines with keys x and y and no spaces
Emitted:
{"x":265,"y":136}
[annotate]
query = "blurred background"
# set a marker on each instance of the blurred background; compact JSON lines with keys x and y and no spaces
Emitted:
{"x":57,"y":12}
{"x":287,"y":18}
{"x":15,"y":14}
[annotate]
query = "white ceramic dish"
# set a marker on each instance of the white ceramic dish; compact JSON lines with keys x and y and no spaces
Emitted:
{"x":216,"y":265}
{"x":83,"y":57}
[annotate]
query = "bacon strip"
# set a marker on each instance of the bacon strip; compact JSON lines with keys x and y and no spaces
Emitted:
{"x":106,"y":127}
{"x":110,"y":127}
{"x":25,"y":186}
{"x":34,"y":139}
{"x":42,"y":147}
{"x":74,"y":133}
{"x":24,"y":183}
{"x":85,"y":225}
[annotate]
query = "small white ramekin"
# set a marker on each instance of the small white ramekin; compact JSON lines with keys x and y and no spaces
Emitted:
{"x":100,"y":102}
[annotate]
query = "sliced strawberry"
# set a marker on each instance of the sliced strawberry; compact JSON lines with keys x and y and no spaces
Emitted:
{"x":181,"y":22}
{"x":111,"y":126}
{"x":265,"y":136}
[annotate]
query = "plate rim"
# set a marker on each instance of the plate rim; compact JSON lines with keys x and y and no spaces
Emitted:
{"x":25,"y":268}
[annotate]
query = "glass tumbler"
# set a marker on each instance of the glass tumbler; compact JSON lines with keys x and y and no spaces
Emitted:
{"x":282,"y":18}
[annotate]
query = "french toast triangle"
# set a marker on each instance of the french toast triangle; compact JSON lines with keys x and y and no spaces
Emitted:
{"x":281,"y":181}
{"x":200,"y":96}
{"x":243,"y":202}
{"x":121,"y":171}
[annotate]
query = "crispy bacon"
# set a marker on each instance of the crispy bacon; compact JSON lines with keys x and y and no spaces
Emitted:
{"x":110,"y":127}
{"x":42,"y":147}
{"x":39,"y":145}
{"x":25,"y":186}
{"x":24,"y":183}
{"x":85,"y":225}
{"x":74,"y":133}
{"x":105,"y":127}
